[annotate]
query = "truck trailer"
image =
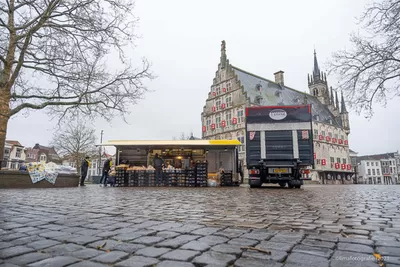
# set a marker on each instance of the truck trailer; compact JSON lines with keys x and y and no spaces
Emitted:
{"x":279,"y":145}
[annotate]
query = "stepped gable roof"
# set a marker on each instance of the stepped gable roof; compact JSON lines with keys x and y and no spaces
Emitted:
{"x":268,"y":93}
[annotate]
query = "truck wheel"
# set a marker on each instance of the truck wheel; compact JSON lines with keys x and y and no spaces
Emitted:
{"x":282,"y":184}
{"x":297,"y":186}
{"x":290,"y":185}
{"x":255,"y":186}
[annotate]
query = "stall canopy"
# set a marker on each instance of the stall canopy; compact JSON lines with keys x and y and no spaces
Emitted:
{"x":171,"y":143}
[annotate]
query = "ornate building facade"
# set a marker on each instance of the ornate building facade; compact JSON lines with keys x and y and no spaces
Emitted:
{"x":234,"y":89}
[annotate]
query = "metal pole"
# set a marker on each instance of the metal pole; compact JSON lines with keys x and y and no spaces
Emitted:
{"x":101,"y":141}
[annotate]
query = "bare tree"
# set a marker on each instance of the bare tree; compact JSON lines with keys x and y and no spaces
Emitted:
{"x":370,"y":71}
{"x":74,"y":141}
{"x":184,"y":136}
{"x":56,"y":55}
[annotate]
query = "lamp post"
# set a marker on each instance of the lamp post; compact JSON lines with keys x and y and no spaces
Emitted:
{"x":101,"y":141}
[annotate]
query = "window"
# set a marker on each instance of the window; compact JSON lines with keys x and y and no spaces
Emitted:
{"x":391,"y":170}
{"x":18,"y":153}
{"x":228,"y":101}
{"x":336,"y":136}
{"x":341,"y":137}
{"x":218,"y":104}
{"x":240,"y":116}
{"x":373,"y":172}
{"x":13,"y":166}
{"x":229,"y":118}
{"x":6,"y":152}
{"x":338,"y":160}
{"x":344,"y":161}
{"x":218,"y":91}
{"x":378,"y":172}
{"x":229,"y":86}
{"x":323,"y":133}
{"x":330,"y":134}
{"x":315,"y":132}
{"x":332,"y":160}
{"x":318,"y":161}
{"x":367,"y":163}
{"x":218,"y":121}
{"x":43,"y":157}
{"x":369,"y":172}
{"x":241,"y":140}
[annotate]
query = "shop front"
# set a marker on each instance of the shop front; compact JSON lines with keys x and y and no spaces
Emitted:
{"x":186,"y":162}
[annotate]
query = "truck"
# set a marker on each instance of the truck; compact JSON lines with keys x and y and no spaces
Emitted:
{"x":279,"y":145}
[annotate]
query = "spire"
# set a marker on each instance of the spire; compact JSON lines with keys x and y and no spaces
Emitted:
{"x":223,"y":54}
{"x":337,"y":100}
{"x":332,"y":98}
{"x":343,"y":109}
{"x":316,"y":71}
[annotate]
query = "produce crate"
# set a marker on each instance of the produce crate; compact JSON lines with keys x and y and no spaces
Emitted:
{"x":201,"y":174}
{"x":120,"y":177}
{"x":226,"y":179}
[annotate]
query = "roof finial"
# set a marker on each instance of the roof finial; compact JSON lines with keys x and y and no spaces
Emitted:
{"x":223,"y":54}
{"x":337,"y":100}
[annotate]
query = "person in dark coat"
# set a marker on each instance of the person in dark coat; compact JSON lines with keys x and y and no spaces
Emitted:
{"x":158,"y":164}
{"x":84,"y":169}
{"x":106,"y":170}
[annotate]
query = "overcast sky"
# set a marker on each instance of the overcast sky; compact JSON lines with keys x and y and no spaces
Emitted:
{"x":182,"y":41}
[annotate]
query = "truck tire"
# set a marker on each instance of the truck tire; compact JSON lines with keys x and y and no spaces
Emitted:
{"x":297,"y":186}
{"x":282,"y":184}
{"x":290,"y":185}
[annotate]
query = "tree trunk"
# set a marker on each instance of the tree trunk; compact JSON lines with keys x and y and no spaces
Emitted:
{"x":4,"y":118}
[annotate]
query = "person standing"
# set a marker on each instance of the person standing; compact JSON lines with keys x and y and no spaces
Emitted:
{"x":84,"y":169}
{"x":106,"y":170}
{"x":158,"y":164}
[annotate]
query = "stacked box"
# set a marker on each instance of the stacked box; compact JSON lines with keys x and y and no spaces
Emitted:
{"x":201,"y":174}
{"x":151,"y":177}
{"x":226,"y":179}
{"x":142,"y":178}
{"x":180,"y":177}
{"x":132,"y":178}
{"x":120,"y":175}
{"x":191,"y":177}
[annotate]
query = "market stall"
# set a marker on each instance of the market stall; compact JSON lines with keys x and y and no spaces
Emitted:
{"x":186,"y":162}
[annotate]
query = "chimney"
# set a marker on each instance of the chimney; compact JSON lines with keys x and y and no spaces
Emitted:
{"x":279,"y":77}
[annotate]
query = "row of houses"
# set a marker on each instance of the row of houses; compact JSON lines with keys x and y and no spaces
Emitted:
{"x":16,"y":156}
{"x":378,"y":168}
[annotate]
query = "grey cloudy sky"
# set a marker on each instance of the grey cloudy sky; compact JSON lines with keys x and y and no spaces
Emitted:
{"x":182,"y":40}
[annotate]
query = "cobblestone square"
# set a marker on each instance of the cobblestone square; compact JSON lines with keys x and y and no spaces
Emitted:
{"x":318,"y":225}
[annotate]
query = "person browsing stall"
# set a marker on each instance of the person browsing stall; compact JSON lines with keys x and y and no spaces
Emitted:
{"x":106,"y":170}
{"x":84,"y":169}
{"x":158,"y":164}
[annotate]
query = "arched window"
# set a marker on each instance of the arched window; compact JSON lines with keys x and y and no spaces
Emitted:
{"x":315,"y":92}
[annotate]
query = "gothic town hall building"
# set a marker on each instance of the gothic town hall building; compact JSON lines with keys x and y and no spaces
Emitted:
{"x":234,"y":89}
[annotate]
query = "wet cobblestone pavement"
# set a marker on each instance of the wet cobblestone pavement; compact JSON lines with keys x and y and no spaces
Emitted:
{"x":178,"y":227}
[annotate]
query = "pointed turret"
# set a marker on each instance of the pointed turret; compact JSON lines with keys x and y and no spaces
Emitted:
{"x":343,"y":105}
{"x":316,"y":71}
{"x":337,"y":100}
{"x":332,"y":97}
{"x":318,"y":84}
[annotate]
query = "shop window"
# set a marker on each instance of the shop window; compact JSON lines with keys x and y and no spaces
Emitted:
{"x":13,"y":166}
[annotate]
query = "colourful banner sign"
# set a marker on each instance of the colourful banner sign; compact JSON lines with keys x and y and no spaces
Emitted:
{"x":42,"y":171}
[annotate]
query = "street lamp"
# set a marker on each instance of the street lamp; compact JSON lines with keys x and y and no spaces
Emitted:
{"x":101,"y":141}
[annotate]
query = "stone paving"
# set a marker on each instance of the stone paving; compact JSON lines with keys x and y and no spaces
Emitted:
{"x":178,"y":227}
